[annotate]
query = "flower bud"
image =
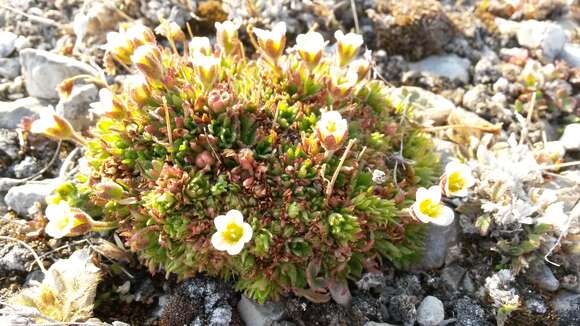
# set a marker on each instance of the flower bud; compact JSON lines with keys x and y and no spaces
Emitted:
{"x":65,"y":88}
{"x":108,"y":105}
{"x":332,"y":130}
{"x":347,"y":46}
{"x":218,"y":101}
{"x":199,"y":46}
{"x":204,"y":159}
{"x":360,"y":67}
{"x":310,"y":145}
{"x":227,"y":36}
{"x":119,"y":46}
{"x":310,"y":47}
{"x":272,"y":42}
{"x":246,"y":159}
{"x":207,"y":69}
{"x":139,"y":89}
{"x":139,"y":34}
{"x":53,"y":125}
{"x":171,"y":31}
{"x":147,"y":58}
{"x":109,"y":190}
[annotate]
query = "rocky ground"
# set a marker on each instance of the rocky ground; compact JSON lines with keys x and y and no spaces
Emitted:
{"x":509,"y":68}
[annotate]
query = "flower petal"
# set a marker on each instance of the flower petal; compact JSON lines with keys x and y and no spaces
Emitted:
{"x":236,"y":248}
{"x":218,"y":242}
{"x":53,"y":230}
{"x":421,"y":194}
{"x":445,"y":218}
{"x":221,"y":222}
{"x":435,"y":194}
{"x":248,"y":233}
{"x":419,"y":215}
{"x":236,"y":216}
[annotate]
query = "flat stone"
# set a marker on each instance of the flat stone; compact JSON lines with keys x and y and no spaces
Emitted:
{"x":11,"y":113}
{"x":571,"y":54}
{"x":43,"y":71}
{"x":75,"y":108}
{"x":541,"y":275}
{"x":13,"y":259}
{"x":430,"y":312}
{"x":571,"y":137}
{"x":9,"y":68}
{"x":452,"y":276}
{"x":428,"y":108}
{"x":567,"y":306}
{"x":449,"y":66}
{"x":7,"y":43}
{"x":438,"y":240}
{"x":22,"y":198}
{"x":546,"y":36}
{"x":255,"y":314}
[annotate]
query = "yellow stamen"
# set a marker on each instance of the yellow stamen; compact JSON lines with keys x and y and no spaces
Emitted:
{"x":429,"y":208}
{"x":455,"y":182}
{"x":233,"y":233}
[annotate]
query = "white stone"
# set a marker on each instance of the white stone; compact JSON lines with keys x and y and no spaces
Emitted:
{"x":22,"y":198}
{"x":7,"y":46}
{"x":571,"y":54}
{"x":255,"y":314}
{"x":43,"y":71}
{"x":546,"y":36}
{"x":571,"y":137}
{"x":75,"y":108}
{"x":450,"y":66}
{"x":11,"y":113}
{"x":428,"y":108}
{"x":431,"y":312}
{"x":506,"y":26}
{"x":9,"y":68}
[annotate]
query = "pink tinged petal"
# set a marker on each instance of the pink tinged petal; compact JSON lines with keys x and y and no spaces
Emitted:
{"x":221,"y":222}
{"x":235,"y":216}
{"x":218,"y":242}
{"x":248,"y":233}
{"x":445,"y":218}
{"x":235,"y":249}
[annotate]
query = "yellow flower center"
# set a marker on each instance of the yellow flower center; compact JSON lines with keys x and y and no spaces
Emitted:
{"x":63,"y":222}
{"x":331,"y":126}
{"x":429,"y":208}
{"x":233,"y":233}
{"x":455,"y":182}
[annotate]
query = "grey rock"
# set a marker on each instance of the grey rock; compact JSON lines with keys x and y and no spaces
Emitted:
{"x":11,"y":113}
{"x":120,"y":323}
{"x":449,"y":66}
{"x":452,"y":276}
{"x":22,"y":198}
{"x":7,"y":43}
{"x":75,"y":108}
{"x":429,"y":108}
{"x":469,"y":313}
{"x":567,"y":306}
{"x":571,"y":54}
{"x":371,"y":280}
{"x":541,"y":275}
{"x":43,"y":71}
{"x":430,"y":312}
{"x":27,"y":167}
{"x":372,"y":323}
{"x":447,"y":150}
{"x":439,"y":238}
{"x":536,"y":305}
{"x":255,"y":314}
{"x":545,"y":36}
{"x":9,"y":145}
{"x":402,"y":309}
{"x":468,"y":284}
{"x":571,"y":137}
{"x":486,"y":71}
{"x":475,"y":98}
{"x":9,"y":67}
{"x":13,"y":258}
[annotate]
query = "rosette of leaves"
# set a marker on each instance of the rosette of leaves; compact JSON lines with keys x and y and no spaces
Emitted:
{"x":211,"y":130}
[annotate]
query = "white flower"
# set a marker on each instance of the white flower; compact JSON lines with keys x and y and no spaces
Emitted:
{"x":52,"y":125}
{"x":272,"y":42}
{"x":199,"y":45}
{"x":332,"y":130}
{"x":207,"y":69}
{"x":428,"y":207}
{"x":140,"y":34}
{"x":105,"y":103}
{"x":232,"y":232}
{"x":62,"y":220}
{"x":120,"y":46}
{"x":227,"y":35}
{"x":554,"y":215}
{"x":457,"y":179}
{"x":347,"y":46}
{"x":310,"y":47}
